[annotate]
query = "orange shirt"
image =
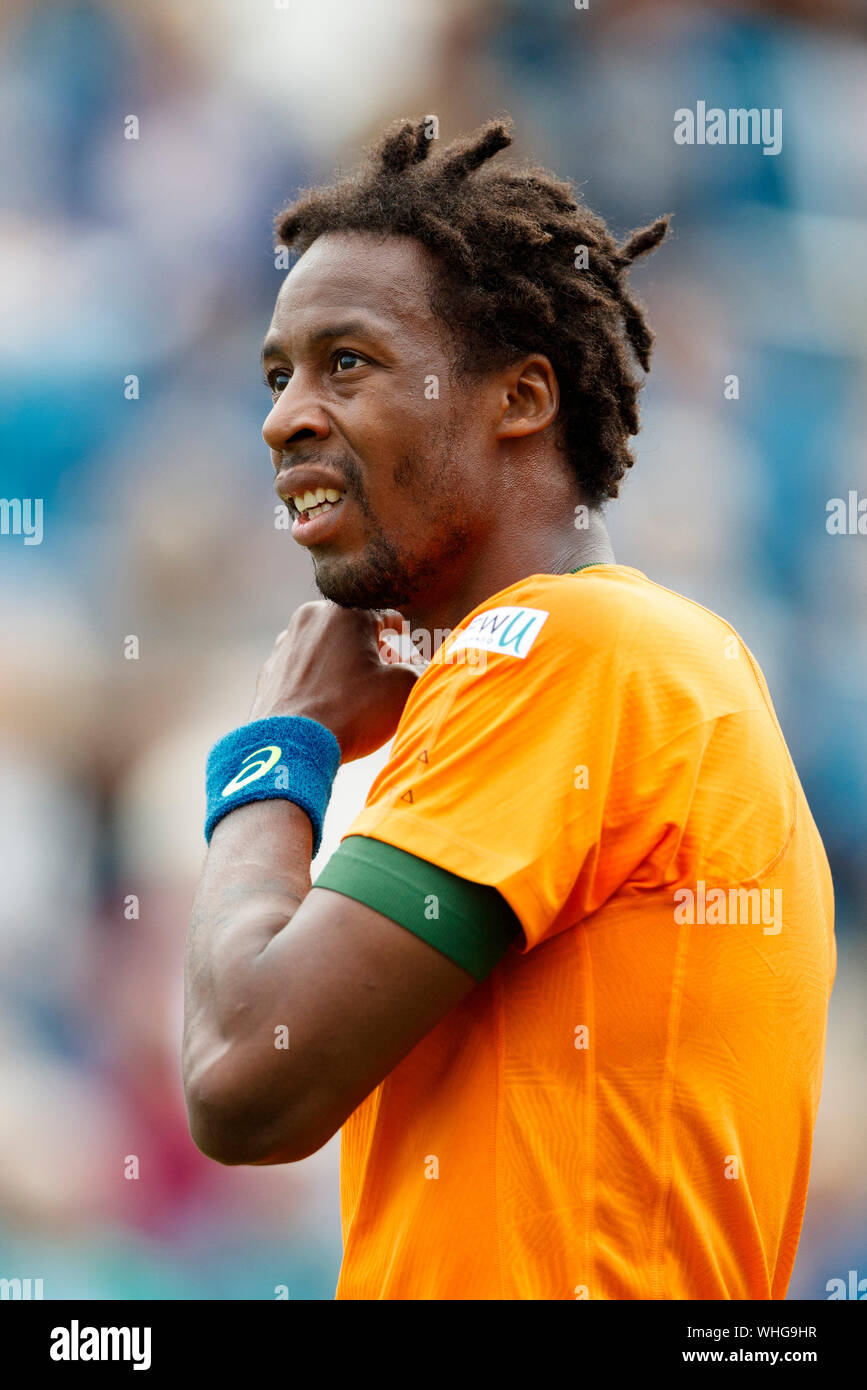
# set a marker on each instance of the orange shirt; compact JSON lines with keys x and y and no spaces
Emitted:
{"x":624,"y":1107}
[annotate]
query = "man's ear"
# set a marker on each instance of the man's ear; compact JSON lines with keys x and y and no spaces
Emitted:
{"x":530,"y":398}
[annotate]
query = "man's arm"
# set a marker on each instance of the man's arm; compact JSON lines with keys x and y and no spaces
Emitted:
{"x":299,"y":1000}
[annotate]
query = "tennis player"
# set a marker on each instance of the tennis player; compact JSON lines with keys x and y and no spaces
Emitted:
{"x":563,"y":986}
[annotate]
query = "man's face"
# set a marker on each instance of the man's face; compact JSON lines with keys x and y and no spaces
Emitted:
{"x":364,"y":405}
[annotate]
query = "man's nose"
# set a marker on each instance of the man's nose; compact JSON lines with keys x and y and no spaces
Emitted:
{"x":294,"y":416}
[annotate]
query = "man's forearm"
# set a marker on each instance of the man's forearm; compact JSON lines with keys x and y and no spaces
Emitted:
{"x":266,"y":1072}
{"x":256,"y":875}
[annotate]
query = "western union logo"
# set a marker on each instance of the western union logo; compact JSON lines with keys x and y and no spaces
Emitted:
{"x":249,"y":771}
{"x":511,"y":631}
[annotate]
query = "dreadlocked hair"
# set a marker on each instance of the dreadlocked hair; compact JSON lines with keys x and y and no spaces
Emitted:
{"x":506,"y":240}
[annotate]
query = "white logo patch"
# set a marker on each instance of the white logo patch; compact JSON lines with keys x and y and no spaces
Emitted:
{"x":250,"y":771}
{"x":511,"y":631}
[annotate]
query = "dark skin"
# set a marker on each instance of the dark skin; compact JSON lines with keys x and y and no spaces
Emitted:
{"x":448,"y":499}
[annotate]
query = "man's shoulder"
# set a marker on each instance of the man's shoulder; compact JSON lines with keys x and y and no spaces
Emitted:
{"x":610,"y":629}
{"x":601,"y":606}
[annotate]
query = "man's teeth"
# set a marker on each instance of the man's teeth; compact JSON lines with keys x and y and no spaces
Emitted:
{"x":310,"y":504}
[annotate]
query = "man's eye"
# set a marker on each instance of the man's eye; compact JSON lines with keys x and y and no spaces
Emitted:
{"x":277,"y":381}
{"x":342,"y":355}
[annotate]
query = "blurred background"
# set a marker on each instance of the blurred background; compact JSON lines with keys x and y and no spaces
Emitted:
{"x":152,"y":258}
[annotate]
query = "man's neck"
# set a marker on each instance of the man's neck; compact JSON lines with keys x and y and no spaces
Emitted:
{"x":506,"y":561}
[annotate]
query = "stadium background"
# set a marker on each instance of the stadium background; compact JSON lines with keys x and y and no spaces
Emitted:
{"x":153,"y":257}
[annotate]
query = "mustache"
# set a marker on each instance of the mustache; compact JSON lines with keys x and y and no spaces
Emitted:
{"x":348,"y":469}
{"x":345,"y":466}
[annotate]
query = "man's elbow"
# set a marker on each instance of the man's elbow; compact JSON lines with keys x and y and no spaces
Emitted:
{"x":230,"y":1128}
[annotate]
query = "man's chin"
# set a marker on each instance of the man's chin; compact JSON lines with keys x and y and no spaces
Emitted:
{"x":358,"y":586}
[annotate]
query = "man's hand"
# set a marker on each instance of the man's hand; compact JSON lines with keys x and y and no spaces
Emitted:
{"x":327,"y":665}
{"x":267,"y":952}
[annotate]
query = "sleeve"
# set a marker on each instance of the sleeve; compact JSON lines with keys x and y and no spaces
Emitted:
{"x":523,"y":758}
{"x":468,"y":922}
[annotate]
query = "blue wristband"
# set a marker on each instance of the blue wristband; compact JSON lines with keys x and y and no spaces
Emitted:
{"x":285,"y":756}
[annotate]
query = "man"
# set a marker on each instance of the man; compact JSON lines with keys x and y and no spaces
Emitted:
{"x":564,"y":984}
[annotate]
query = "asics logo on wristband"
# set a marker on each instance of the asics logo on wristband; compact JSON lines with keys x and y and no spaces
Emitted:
{"x":250,"y":773}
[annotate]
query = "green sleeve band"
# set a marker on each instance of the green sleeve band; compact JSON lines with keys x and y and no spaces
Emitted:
{"x":471,"y":923}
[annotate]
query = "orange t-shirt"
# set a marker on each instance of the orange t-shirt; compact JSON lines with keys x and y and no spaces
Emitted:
{"x":624,"y":1107}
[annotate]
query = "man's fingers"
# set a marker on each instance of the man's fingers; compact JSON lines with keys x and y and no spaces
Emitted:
{"x":389,"y":618}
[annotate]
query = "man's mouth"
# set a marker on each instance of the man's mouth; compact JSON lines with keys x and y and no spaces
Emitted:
{"x":318,"y":514}
{"x":307,"y":505}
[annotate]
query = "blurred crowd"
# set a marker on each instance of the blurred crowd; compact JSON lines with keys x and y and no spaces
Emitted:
{"x":150,"y":261}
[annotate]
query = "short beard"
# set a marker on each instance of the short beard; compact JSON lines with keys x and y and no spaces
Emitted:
{"x":386,"y":577}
